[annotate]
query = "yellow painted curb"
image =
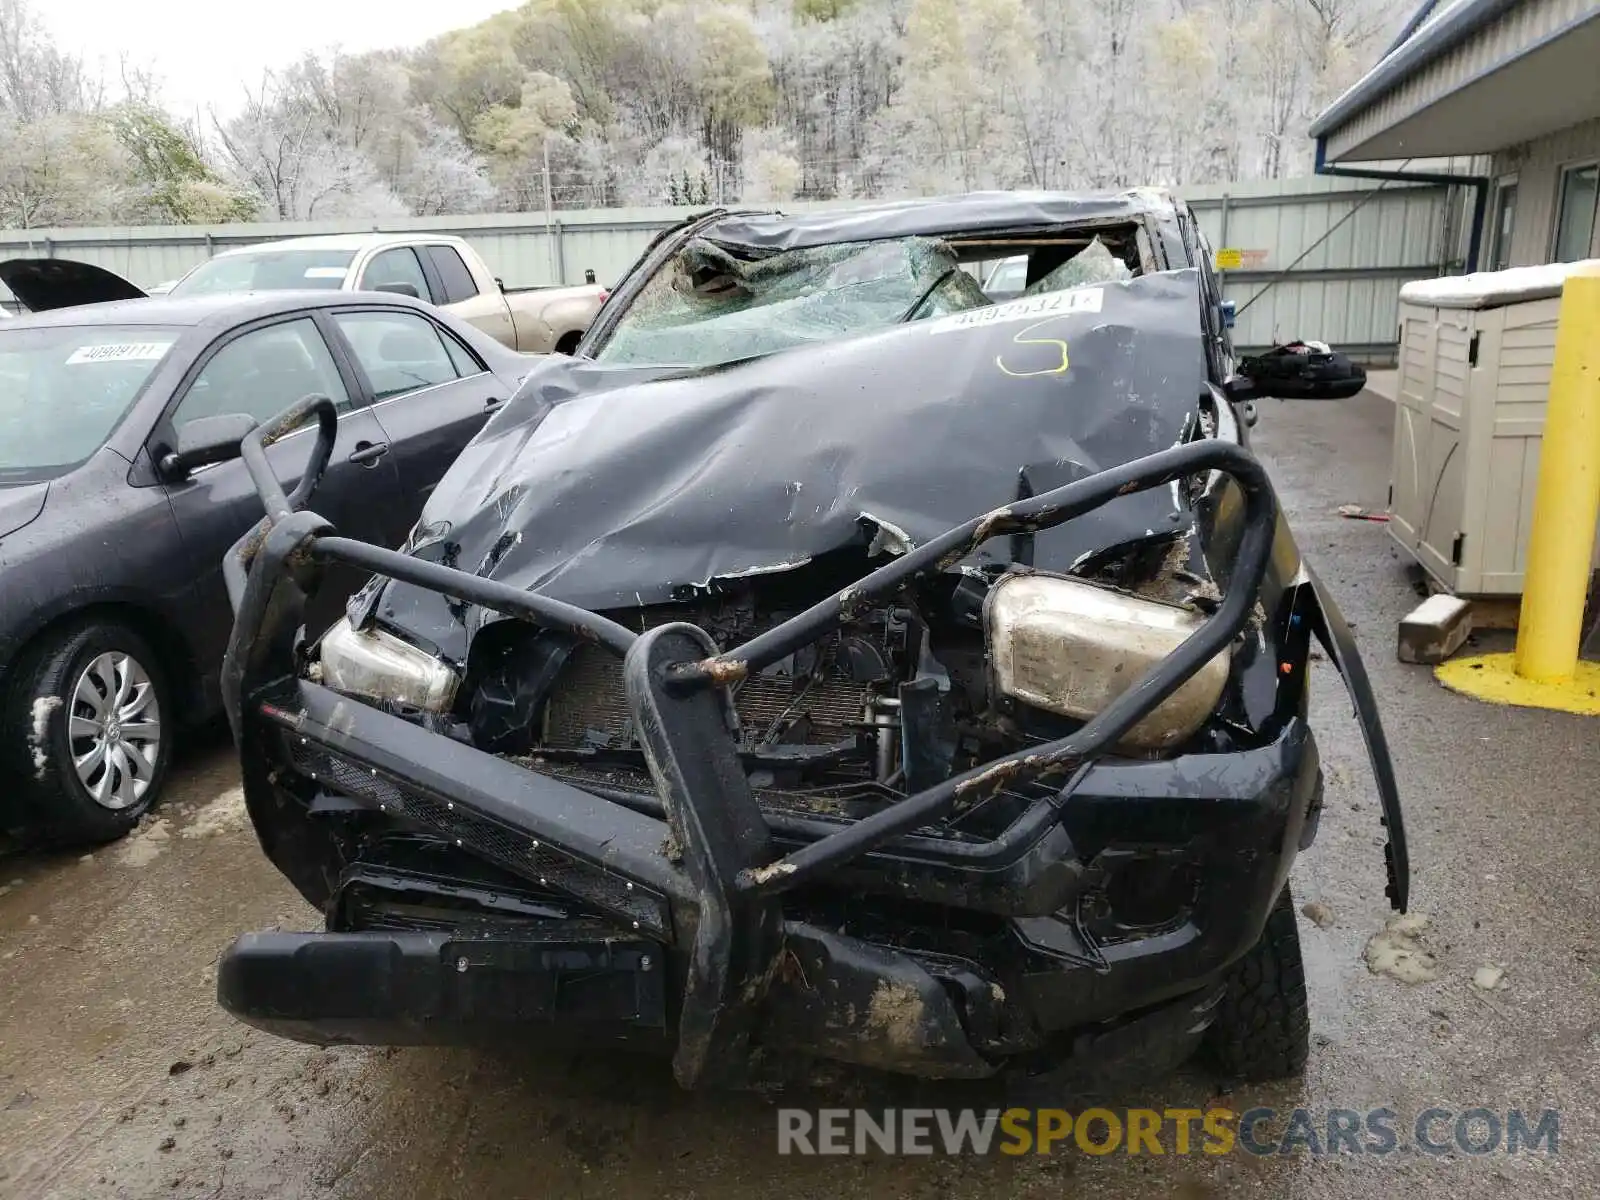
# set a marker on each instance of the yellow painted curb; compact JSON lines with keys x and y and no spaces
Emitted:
{"x":1493,"y":677}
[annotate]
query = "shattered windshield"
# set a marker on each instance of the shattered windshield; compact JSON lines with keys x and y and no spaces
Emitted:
{"x":708,"y":306}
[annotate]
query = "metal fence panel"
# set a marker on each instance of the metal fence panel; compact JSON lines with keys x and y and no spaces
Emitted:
{"x":517,"y":246}
{"x":1326,"y":258}
{"x":1323,"y":258}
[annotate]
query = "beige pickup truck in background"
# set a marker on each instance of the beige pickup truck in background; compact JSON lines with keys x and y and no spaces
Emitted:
{"x":433,"y":267}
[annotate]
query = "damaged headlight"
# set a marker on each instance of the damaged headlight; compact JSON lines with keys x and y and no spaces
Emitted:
{"x":1070,"y":647}
{"x":381,"y":666}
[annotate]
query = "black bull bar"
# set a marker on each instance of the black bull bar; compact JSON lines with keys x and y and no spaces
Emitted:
{"x":677,"y":684}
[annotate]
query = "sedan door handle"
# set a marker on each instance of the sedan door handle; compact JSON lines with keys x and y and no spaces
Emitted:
{"x":494,"y":404}
{"x":367,"y":454}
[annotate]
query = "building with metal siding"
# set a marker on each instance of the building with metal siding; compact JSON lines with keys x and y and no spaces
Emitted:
{"x":1516,"y":82}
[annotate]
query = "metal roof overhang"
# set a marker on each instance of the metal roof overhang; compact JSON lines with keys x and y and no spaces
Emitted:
{"x":1481,"y":76}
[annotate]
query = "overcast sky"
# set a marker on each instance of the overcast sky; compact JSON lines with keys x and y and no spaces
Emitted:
{"x":205,"y":51}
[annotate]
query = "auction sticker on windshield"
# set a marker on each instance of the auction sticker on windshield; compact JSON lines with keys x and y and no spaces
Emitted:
{"x":1028,"y":308}
{"x":118,"y":352}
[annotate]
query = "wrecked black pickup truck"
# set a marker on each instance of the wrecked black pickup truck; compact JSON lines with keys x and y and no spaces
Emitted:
{"x":826,"y":663}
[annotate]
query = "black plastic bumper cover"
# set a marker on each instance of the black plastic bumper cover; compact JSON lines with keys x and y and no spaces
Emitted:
{"x":414,"y":988}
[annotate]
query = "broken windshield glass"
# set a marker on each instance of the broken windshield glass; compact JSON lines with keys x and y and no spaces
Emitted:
{"x":709,"y":306}
{"x":1093,"y":264}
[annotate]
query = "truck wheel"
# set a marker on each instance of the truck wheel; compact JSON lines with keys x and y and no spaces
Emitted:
{"x":1262,"y":1029}
{"x":88,"y":729}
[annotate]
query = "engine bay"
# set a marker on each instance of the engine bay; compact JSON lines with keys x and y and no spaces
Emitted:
{"x":903,"y":695}
{"x":892,"y":700}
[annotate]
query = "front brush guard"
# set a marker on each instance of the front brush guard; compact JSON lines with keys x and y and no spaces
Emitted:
{"x":677,"y":687}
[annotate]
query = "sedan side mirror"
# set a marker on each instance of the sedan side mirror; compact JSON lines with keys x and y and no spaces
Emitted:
{"x":400,"y":289}
{"x":205,"y":441}
{"x":1297,"y":371}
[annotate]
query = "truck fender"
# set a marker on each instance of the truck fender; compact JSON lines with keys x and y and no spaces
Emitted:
{"x":1333,"y":631}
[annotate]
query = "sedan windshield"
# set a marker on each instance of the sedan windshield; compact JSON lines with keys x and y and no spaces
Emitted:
{"x":63,"y":390}
{"x":708,"y":306}
{"x":267,"y":270}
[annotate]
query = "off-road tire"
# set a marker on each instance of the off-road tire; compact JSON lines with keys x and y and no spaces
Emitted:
{"x":1262,"y":1029}
{"x":49,"y":803}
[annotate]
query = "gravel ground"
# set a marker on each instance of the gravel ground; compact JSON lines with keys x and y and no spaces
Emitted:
{"x":120,"y":1077}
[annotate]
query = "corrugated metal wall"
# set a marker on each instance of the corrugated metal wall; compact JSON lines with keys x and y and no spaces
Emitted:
{"x":1325,"y":258}
{"x":1343,"y":289}
{"x":517,"y":246}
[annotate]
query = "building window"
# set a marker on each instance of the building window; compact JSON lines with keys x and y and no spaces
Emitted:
{"x":1575,"y":212}
{"x":1505,"y":219}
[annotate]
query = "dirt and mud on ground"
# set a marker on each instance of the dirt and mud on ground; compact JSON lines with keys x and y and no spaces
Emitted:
{"x":119,"y":1077}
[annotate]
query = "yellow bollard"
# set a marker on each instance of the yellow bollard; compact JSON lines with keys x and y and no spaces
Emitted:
{"x":1545,"y":671}
{"x":1561,"y":544}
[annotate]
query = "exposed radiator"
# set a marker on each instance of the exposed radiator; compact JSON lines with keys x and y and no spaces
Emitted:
{"x":588,"y":706}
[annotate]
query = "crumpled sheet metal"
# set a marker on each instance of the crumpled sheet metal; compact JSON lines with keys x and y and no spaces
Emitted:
{"x":610,"y":487}
{"x":940,"y":216}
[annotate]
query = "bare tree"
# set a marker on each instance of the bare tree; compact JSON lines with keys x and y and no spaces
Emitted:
{"x":36,"y":79}
{"x":648,"y":100}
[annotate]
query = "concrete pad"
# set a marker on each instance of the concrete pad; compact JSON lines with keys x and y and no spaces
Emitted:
{"x":1494,"y":678}
{"x":1435,"y":629}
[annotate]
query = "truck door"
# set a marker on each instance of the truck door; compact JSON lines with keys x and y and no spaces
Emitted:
{"x":480,"y":304}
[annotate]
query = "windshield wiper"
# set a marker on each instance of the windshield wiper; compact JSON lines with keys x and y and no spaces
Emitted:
{"x":910,"y":313}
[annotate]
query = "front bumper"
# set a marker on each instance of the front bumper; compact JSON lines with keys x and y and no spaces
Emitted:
{"x":1037,"y":980}
{"x":425,"y":988}
{"x":883,"y":941}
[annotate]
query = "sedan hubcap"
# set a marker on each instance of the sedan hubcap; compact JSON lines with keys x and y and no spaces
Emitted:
{"x":115,"y":730}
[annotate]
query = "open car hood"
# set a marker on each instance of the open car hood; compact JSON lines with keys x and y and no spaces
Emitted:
{"x":609,"y":487}
{"x":42,"y":284}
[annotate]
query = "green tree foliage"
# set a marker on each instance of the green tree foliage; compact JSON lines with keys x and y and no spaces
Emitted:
{"x":69,"y":158}
{"x":171,"y":182}
{"x":821,"y":10}
{"x":598,"y":102}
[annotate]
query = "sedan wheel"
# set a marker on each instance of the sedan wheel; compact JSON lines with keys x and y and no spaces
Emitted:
{"x":115,"y":730}
{"x":86,"y":729}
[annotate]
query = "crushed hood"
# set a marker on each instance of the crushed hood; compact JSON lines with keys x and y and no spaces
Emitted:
{"x":42,"y":284}
{"x":611,"y":488}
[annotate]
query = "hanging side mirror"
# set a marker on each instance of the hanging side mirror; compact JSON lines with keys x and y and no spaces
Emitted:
{"x":1297,"y":371}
